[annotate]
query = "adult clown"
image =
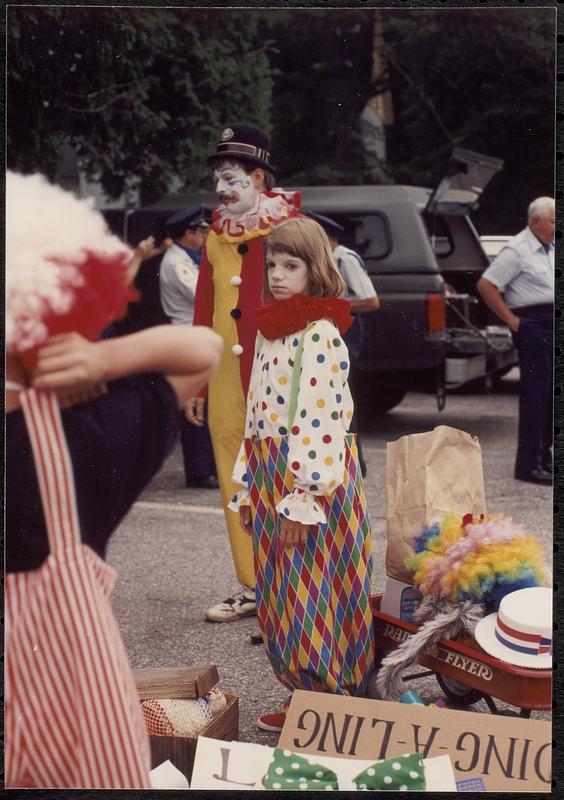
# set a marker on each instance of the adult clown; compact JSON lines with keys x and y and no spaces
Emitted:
{"x":229,"y":290}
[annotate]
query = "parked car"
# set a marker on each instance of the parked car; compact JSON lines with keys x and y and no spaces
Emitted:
{"x":424,"y":257}
{"x":493,"y":244}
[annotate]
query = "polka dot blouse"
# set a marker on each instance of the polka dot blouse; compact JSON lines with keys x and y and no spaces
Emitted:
{"x":323,"y":415}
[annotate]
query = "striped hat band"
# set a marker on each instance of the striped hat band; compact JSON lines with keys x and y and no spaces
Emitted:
{"x":521,"y":642}
{"x":244,"y":149}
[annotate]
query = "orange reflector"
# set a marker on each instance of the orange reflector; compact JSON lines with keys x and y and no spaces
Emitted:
{"x":435,"y":312}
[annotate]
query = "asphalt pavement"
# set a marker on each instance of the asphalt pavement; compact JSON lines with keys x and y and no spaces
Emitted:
{"x":173,"y":558}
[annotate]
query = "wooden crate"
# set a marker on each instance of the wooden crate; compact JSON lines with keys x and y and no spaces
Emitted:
{"x":181,"y":750}
{"x":179,"y":683}
{"x":175,"y":683}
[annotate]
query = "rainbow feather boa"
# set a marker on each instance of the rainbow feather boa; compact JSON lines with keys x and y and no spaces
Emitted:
{"x":476,"y":559}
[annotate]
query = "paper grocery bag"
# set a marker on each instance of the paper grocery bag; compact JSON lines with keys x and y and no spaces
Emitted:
{"x":427,"y":475}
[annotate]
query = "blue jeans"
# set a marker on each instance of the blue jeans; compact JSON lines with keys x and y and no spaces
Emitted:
{"x":534,"y":342}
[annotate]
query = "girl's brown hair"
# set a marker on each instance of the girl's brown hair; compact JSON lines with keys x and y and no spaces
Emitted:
{"x":304,"y":238}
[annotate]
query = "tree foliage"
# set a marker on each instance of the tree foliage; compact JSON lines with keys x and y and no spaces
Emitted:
{"x":323,"y":80}
{"x":140,"y":94}
{"x":481,"y":79}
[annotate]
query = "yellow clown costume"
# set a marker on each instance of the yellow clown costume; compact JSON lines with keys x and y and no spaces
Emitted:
{"x":228,"y":293}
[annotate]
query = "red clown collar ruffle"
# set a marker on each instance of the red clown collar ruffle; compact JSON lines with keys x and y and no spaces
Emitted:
{"x":272,"y":208}
{"x":278,"y":318}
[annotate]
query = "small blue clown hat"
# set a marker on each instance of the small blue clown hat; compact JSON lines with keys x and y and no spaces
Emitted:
{"x":193,"y":217}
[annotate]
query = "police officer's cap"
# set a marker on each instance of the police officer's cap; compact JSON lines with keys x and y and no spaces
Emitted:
{"x":193,"y":217}
{"x":245,"y":143}
{"x":331,"y":227}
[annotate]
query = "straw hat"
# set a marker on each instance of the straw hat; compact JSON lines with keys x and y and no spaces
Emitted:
{"x":520,"y":633}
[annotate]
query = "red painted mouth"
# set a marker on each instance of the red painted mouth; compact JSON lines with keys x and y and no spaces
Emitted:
{"x":227,"y":199}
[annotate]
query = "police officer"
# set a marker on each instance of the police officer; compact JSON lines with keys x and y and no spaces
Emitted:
{"x":524,"y":272}
{"x":178,"y":276}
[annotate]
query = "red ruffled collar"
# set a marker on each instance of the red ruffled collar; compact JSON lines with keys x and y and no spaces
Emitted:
{"x":271,"y":208}
{"x":278,"y":318}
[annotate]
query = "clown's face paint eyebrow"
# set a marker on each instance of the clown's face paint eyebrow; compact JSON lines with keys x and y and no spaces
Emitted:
{"x":235,"y":188}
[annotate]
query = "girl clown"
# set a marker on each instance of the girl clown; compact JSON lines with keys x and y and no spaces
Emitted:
{"x":301,"y":496}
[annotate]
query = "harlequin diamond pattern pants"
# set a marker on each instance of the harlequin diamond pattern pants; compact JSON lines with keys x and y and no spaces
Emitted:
{"x":313,"y":599}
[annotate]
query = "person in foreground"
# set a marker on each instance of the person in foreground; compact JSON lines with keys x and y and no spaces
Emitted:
{"x":72,"y":713}
{"x":524,"y":272}
{"x":302,"y":496}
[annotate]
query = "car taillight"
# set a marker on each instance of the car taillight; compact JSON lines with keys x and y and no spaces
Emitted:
{"x":435,"y":312}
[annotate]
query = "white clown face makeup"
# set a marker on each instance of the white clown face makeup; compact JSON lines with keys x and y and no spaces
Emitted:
{"x":287,"y":275}
{"x":236,"y":189}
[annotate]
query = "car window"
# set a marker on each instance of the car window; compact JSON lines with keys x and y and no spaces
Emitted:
{"x":367,"y":234}
{"x":439,"y":235}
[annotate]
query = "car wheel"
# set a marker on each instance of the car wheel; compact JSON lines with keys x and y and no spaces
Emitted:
{"x":376,"y":393}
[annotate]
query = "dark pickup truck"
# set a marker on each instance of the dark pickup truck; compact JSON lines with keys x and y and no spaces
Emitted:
{"x":432,"y":331}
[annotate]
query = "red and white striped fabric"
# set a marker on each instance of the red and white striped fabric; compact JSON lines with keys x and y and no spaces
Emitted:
{"x":72,"y":713}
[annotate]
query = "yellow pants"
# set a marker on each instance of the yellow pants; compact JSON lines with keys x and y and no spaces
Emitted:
{"x":227,"y":427}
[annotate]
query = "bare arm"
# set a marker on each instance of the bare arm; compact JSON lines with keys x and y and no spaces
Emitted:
{"x":493,"y":298}
{"x":145,"y":249}
{"x":187,"y":355}
{"x":359,"y":306}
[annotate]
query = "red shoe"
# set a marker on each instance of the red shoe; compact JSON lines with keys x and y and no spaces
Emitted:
{"x":272,"y":722}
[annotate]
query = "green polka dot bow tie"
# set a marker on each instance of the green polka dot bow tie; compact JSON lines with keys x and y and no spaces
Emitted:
{"x":290,"y":771}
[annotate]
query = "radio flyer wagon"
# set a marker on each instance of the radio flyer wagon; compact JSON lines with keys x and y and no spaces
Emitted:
{"x":465,"y":673}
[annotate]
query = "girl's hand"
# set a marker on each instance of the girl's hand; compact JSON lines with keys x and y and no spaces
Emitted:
{"x":245,"y":519}
{"x":69,"y":361}
{"x":292,"y":532}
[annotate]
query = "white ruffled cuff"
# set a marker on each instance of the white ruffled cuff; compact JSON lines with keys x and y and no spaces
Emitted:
{"x":302,"y":507}
{"x":242,"y":498}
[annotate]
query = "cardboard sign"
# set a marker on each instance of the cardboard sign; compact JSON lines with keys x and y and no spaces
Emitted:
{"x":167,"y":776}
{"x":243,"y":765}
{"x":503,"y":754}
{"x":229,"y":765}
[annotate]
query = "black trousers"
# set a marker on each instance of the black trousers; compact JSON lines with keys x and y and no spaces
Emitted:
{"x":534,"y":342}
{"x":196,"y":450}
